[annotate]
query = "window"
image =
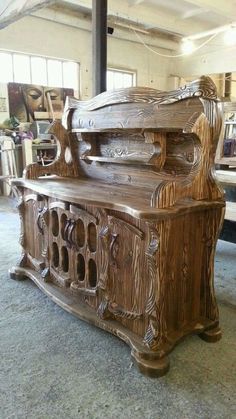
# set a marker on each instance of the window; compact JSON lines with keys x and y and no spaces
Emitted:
{"x":119,"y":78}
{"x":23,"y":68}
{"x":39,"y":71}
{"x":6,"y":73}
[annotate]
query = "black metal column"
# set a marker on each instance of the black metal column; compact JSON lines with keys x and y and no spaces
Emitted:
{"x":99,"y":45}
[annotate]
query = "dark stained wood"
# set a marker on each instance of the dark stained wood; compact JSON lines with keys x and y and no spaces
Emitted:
{"x":122,"y":231}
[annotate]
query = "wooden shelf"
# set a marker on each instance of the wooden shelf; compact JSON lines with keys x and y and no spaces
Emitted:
{"x":117,"y":160}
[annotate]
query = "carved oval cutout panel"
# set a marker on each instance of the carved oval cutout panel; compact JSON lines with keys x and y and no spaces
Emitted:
{"x":63,"y":225}
{"x":80,"y":267}
{"x":92,"y":237}
{"x":55,"y":223}
{"x":80,"y":233}
{"x":64,"y":259}
{"x":92,"y":268}
{"x":55,"y":255}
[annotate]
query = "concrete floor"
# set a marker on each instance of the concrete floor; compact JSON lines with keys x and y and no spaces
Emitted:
{"x":53,"y":365}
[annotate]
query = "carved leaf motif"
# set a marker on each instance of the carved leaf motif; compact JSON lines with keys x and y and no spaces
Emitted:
{"x":151,"y":335}
{"x":119,"y":311}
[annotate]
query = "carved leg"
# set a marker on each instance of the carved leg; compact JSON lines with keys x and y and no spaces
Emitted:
{"x":211,"y":335}
{"x":151,"y":367}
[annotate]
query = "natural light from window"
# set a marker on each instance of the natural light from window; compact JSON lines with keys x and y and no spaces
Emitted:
{"x":31,"y":69}
{"x":39,"y":70}
{"x":21,"y":68}
{"x":120,"y":78}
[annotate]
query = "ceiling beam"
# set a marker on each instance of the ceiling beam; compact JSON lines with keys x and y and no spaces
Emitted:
{"x":145,"y":14}
{"x":194,"y":12}
{"x":223,"y":8}
{"x":12,"y":10}
{"x":78,"y":21}
{"x":135,"y":2}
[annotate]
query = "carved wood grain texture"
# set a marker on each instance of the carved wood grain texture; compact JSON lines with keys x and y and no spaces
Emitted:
{"x":203,"y":87}
{"x":124,"y":235}
{"x":65,"y":161}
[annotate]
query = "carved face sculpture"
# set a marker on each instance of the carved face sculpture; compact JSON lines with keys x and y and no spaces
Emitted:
{"x":36,"y":99}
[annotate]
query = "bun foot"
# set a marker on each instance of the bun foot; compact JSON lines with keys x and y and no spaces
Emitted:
{"x":16,"y":275}
{"x":211,"y":335}
{"x":151,"y":367}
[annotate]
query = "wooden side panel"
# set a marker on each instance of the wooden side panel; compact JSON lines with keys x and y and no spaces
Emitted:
{"x":190,"y":273}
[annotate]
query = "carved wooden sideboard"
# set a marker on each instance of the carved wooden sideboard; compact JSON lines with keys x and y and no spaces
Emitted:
{"x":121,"y":229}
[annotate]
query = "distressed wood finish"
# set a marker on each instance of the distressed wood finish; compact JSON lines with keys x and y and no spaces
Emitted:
{"x":122,"y":232}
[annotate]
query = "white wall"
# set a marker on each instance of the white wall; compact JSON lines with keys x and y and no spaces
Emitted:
{"x":36,"y":35}
{"x":221,"y":60}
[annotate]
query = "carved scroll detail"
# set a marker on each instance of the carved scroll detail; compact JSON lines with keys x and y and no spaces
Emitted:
{"x":153,"y":245}
{"x":60,"y":166}
{"x":83,"y":214}
{"x":42,"y":223}
{"x":164,"y":195}
{"x":103,"y":286}
{"x":104,"y":263}
{"x":21,"y":210}
{"x":103,"y":310}
{"x":119,"y":311}
{"x":114,"y":249}
{"x":203,"y":87}
{"x":155,"y":306}
{"x":136,"y":254}
{"x":201,"y":183}
{"x":123,"y":224}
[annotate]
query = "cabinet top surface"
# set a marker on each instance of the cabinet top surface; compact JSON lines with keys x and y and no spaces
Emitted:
{"x":133,"y":200}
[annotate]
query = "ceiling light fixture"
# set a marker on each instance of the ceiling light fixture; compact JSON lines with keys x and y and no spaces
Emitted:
{"x":205,"y":34}
{"x":187,"y":46}
{"x":230,"y":36}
